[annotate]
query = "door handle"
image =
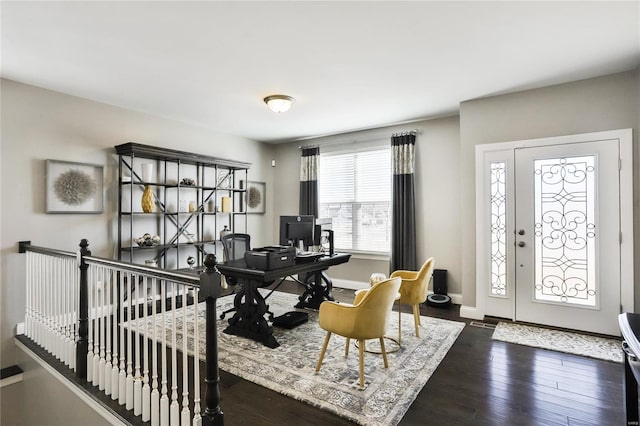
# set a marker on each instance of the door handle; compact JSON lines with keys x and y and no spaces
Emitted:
{"x":521,"y":244}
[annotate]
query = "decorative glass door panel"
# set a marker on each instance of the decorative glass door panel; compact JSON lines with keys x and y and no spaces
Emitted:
{"x":565,"y":231}
{"x":567,"y":227}
{"x":498,"y":223}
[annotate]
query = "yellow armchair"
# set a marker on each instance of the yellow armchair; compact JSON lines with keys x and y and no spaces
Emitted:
{"x":366,"y":318}
{"x":413,"y":291}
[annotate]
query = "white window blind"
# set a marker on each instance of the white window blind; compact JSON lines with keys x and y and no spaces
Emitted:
{"x":354,"y":190}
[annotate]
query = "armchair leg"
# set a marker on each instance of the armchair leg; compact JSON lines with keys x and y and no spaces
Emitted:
{"x":346,"y":348}
{"x":324,"y":349}
{"x":399,"y":323}
{"x":416,"y":319}
{"x":361,"y":350}
{"x":384,"y":353}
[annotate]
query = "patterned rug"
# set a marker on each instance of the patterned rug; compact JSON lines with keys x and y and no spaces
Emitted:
{"x":560,"y":341}
{"x":290,"y":368}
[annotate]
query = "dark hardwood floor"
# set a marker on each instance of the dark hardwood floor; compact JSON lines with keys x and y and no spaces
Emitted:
{"x":479,"y":382}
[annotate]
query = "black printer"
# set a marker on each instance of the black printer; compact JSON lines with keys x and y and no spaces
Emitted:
{"x":270,"y":257}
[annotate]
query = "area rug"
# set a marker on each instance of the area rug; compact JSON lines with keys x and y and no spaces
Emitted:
{"x":290,"y":368}
{"x":560,"y":341}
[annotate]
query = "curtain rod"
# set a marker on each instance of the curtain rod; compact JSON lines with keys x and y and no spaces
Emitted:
{"x":363,"y":138}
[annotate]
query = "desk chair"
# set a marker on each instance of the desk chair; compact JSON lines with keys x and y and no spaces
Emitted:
{"x":413,"y":291}
{"x":234,"y":246}
{"x":366,"y":318}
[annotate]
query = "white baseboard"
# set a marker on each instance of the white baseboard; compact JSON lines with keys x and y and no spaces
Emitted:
{"x":470,"y":312}
{"x":11,"y":380}
{"x":349,"y":284}
{"x":456,"y":298}
{"x":20,"y":329}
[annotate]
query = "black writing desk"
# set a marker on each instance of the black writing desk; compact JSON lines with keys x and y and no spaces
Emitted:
{"x":251,"y":307}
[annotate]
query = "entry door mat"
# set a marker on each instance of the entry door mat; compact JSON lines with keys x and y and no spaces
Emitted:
{"x":290,"y":368}
{"x":560,"y":341}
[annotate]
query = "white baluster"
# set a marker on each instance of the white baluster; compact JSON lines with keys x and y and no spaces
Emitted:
{"x":90,"y":325}
{"x":175,"y":408}
{"x":102,"y":287}
{"x":55,"y":302}
{"x":155,"y":395}
{"x":137,"y":380}
{"x":66,"y":308}
{"x":129,"y":387}
{"x":164,"y":399}
{"x":28,"y":296}
{"x":197,"y":419}
{"x":60,"y":290}
{"x":122,"y":375}
{"x":42,"y":297}
{"x":95,"y":283}
{"x":186,"y":413}
{"x":108,"y":282}
{"x":48,"y":302}
{"x":146,"y":390}
{"x":73,"y":315}
{"x":115,"y":371}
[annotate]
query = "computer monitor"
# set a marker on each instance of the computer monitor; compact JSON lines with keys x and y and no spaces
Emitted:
{"x":297,"y":228}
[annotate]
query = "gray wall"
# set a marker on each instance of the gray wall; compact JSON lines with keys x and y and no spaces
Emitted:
{"x":41,"y":399}
{"x":598,"y":104}
{"x":437,"y":202}
{"x":39,"y":124}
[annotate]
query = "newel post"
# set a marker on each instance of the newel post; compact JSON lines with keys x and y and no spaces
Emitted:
{"x":82,"y":346}
{"x":210,"y":289}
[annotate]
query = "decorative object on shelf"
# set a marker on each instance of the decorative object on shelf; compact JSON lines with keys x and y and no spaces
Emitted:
{"x":187,"y":182}
{"x":191,"y":238}
{"x":191,"y":261}
{"x":192,"y":206}
{"x":151,"y":263}
{"x":226,"y":204}
{"x":148,"y":240}
{"x":211,"y":206}
{"x":223,"y":179}
{"x":74,"y":187}
{"x":147,"y":201}
{"x":279,"y":103}
{"x":225,"y":231}
{"x":254,"y":197}
{"x":146,"y":172}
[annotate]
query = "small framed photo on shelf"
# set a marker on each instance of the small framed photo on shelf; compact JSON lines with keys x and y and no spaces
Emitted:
{"x":254,"y":197}
{"x":74,"y":187}
{"x":223,"y":179}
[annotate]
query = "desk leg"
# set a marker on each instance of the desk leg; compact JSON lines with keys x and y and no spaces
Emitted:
{"x":318,"y":289}
{"x":248,"y":320}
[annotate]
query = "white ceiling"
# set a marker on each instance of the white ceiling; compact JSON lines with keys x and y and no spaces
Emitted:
{"x":350,"y":65}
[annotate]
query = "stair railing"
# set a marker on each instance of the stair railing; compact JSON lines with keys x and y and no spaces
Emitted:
{"x":120,"y":326}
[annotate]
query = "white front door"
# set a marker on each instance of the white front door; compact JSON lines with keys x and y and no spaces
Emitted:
{"x":551,"y":215}
{"x":567,"y":235}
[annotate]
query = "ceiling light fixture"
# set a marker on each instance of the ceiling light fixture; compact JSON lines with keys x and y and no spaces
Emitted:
{"x":279,"y":103}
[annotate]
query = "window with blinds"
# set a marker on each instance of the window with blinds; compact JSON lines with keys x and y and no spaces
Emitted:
{"x":354,"y":190}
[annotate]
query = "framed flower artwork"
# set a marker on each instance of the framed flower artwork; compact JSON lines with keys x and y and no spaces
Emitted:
{"x":254,"y":197}
{"x":74,"y":187}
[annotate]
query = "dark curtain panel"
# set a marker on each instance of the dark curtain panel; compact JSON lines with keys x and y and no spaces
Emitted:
{"x":309,"y":181}
{"x":403,"y":224}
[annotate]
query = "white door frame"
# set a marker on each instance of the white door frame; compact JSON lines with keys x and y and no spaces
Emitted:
{"x":625,"y":139}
